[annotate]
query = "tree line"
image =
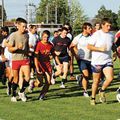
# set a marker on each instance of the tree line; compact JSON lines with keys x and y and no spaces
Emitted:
{"x":73,"y":13}
{"x":61,"y":11}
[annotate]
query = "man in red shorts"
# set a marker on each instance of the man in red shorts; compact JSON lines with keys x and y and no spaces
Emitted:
{"x":18,"y":46}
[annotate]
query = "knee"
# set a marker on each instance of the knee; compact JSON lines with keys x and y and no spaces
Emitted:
{"x":86,"y":77}
{"x":110,"y":78}
{"x":96,"y":82}
{"x":59,"y":72}
{"x":15,"y":80}
{"x":27,"y":78}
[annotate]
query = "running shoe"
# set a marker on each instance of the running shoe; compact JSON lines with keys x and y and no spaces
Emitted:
{"x":72,"y":77}
{"x":52,"y":80}
{"x":22,"y":96}
{"x":85,"y":94}
{"x":62,"y":85}
{"x":92,"y":101}
{"x":13,"y":99}
{"x":102,"y":97}
{"x":31,"y":86}
{"x":79,"y":79}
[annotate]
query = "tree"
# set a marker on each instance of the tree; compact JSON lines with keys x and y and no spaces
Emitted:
{"x":77,"y":17}
{"x":72,"y":12}
{"x":5,"y":16}
{"x":49,"y":9}
{"x":104,"y":13}
{"x":118,"y":19}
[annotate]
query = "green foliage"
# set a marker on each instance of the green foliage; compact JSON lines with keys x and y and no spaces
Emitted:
{"x":5,"y":16}
{"x":104,"y":13}
{"x":118,"y":20}
{"x":13,"y":20}
{"x":48,"y":9}
{"x":72,"y":13}
{"x":77,"y":16}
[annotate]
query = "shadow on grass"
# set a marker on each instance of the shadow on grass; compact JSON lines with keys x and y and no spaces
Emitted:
{"x":3,"y":87}
{"x":112,"y":102}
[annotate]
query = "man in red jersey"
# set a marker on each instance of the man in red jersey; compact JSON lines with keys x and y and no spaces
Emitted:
{"x":43,"y":51}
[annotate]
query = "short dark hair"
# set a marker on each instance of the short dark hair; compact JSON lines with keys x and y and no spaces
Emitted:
{"x":20,"y":20}
{"x":105,"y":20}
{"x":84,"y":26}
{"x":32,"y":26}
{"x":69,"y":26}
{"x":46,"y":32}
{"x":59,"y":30}
{"x":64,"y":28}
{"x":5,"y":29}
{"x":97,"y":23}
{"x":55,"y":31}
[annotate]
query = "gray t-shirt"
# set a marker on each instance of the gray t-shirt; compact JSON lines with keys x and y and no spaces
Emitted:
{"x":15,"y":39}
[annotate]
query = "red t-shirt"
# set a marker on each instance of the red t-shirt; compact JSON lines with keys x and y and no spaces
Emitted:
{"x":118,"y":42}
{"x":117,"y":35}
{"x":44,"y":51}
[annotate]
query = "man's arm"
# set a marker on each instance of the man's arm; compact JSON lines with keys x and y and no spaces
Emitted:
{"x":97,"y":49}
{"x":12,"y":49}
{"x":36,"y":61}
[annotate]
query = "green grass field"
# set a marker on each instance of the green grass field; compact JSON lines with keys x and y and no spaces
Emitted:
{"x":62,"y":104}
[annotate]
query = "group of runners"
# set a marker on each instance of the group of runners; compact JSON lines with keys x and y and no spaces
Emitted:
{"x":26,"y":54}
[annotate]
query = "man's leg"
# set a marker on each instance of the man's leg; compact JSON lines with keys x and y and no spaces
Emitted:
{"x":65,"y":72}
{"x":57,"y":73}
{"x":85,"y":81}
{"x":72,"y":77}
{"x":96,"y":80}
{"x":46,"y":85}
{"x":108,"y":72}
{"x":15,"y":84}
{"x":26,"y":74}
{"x":9,"y":75}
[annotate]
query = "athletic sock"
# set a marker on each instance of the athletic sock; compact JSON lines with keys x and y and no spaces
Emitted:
{"x":9,"y":84}
{"x":71,"y":74}
{"x":64,"y":80}
{"x":92,"y":98}
{"x":101,"y":90}
{"x":14,"y":88}
{"x":54,"y":76}
{"x":25,"y":84}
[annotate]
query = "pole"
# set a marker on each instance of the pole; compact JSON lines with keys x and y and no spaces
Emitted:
{"x":2,"y":13}
{"x":56,"y":13}
{"x":28,"y":17}
{"x":47,"y":13}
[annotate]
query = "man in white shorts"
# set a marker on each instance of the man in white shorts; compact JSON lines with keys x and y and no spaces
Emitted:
{"x":100,"y":44}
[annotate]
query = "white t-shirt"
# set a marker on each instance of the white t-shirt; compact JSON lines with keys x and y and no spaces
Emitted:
{"x":69,"y":36}
{"x":82,"y":42}
{"x":101,"y":39}
{"x":7,"y":54}
{"x":32,"y":40}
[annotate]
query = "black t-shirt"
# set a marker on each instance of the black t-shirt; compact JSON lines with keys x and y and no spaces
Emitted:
{"x":61,"y":45}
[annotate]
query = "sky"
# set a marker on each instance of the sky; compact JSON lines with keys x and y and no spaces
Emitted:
{"x":17,"y":8}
